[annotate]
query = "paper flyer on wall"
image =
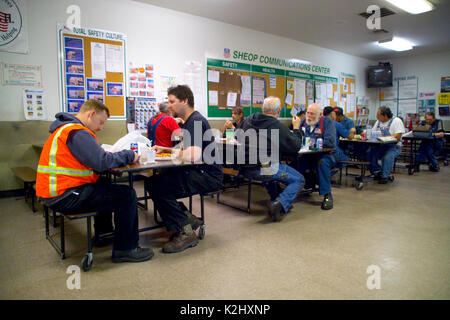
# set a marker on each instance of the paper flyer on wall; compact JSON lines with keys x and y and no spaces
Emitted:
{"x":21,"y":75}
{"x":406,"y":106}
{"x":33,"y":104}
{"x":246,"y":99}
{"x":407,"y":89}
{"x":114,"y":58}
{"x":213,"y":76}
{"x":141,"y":82}
{"x":329,"y":90}
{"x":288,"y":99}
{"x":165,"y":83}
{"x":246,"y":85}
{"x":273,"y":82}
{"x":213,"y":98}
{"x":299,"y":91}
{"x":309,"y":90}
{"x":98,"y":60}
{"x":231,"y":99}
{"x":259,"y":90}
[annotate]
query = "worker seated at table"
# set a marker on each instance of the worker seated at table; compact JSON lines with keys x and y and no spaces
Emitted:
{"x":68,"y":182}
{"x":430,"y":147}
{"x":315,"y":126}
{"x":389,"y":126}
{"x":238,"y":118}
{"x":177,"y":183}
{"x":340,"y":117}
{"x":273,"y":172}
{"x":161,"y":127}
{"x":341,"y":132}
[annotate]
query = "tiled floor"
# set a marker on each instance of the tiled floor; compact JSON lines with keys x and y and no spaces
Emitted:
{"x":403,"y":228}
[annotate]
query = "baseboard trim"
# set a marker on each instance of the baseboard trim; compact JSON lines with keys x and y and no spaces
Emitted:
{"x":12,"y":193}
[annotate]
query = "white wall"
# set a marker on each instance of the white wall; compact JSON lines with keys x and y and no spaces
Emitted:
{"x":160,"y":37}
{"x":429,"y":68}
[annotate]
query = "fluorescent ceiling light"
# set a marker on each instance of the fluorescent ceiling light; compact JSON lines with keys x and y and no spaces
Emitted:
{"x":412,"y":6}
{"x":396,"y":44}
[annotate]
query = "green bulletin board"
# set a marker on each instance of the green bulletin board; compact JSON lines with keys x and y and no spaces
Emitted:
{"x":224,"y":77}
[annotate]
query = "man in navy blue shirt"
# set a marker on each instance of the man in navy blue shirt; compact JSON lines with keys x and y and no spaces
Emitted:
{"x":341,"y":132}
{"x":316,"y":126}
{"x":340,"y":117}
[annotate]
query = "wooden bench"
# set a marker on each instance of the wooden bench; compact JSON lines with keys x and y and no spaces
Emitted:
{"x":28,"y":176}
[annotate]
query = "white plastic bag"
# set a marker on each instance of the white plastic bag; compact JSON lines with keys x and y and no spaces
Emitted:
{"x":125,"y":142}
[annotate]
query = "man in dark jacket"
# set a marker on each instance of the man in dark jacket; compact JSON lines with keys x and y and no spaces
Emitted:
{"x":279,"y":140}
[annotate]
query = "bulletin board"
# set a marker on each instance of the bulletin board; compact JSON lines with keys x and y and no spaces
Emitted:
{"x":290,"y":91}
{"x":275,"y":85}
{"x":332,"y":99}
{"x":347,"y":87}
{"x":225,"y":77}
{"x":228,"y":81}
{"x":77,"y":83}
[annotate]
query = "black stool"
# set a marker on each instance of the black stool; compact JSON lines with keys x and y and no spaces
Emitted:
{"x":88,"y":259}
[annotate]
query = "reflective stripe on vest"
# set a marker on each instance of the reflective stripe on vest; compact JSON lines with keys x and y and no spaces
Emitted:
{"x":53,"y":170}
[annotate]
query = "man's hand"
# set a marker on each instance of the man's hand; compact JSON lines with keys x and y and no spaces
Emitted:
{"x":353,"y":130}
{"x":229,"y":124}
{"x":160,"y":149}
{"x":136,"y":158}
{"x":296,"y":122}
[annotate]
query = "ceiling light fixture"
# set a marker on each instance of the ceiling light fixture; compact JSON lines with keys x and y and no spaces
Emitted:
{"x":396,"y":44}
{"x":412,"y":6}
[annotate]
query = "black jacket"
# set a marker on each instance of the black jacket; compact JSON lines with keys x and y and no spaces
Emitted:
{"x":288,"y":143}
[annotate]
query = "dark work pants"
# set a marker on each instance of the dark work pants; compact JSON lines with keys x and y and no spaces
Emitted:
{"x":173,"y":184}
{"x":322,"y":164}
{"x":105,"y":198}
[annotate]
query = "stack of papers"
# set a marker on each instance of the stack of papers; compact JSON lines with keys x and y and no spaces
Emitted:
{"x":387,"y":139}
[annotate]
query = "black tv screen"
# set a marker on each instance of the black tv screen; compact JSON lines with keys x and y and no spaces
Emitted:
{"x":379,"y":76}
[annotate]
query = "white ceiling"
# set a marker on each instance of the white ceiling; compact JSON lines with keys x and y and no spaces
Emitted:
{"x":333,"y":24}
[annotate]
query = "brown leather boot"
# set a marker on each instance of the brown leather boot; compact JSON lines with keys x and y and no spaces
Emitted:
{"x":184,"y":239}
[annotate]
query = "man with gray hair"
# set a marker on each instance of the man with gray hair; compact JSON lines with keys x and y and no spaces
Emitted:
{"x":315,"y":126}
{"x":161,"y":127}
{"x":268,"y":128}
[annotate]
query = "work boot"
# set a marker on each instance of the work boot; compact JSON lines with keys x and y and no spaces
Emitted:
{"x":434,"y":168}
{"x":276,"y":210}
{"x":383,"y":180}
{"x":182,"y":240}
{"x":137,"y":254}
{"x":194,"y":221}
{"x":377,"y":175}
{"x":327,"y":202}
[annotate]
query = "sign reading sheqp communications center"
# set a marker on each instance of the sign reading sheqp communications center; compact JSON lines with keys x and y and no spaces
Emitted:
{"x":275,"y":62}
{"x":11,"y":21}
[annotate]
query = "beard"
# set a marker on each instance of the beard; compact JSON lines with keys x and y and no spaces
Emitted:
{"x":313,"y":122}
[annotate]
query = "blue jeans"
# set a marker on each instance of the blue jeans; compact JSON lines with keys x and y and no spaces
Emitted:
{"x":387,"y":154}
{"x":323,"y":164}
{"x":427,"y":150}
{"x":291,"y":178}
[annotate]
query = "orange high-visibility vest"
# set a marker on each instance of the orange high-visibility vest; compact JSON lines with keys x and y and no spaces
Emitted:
{"x":58,"y":169}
